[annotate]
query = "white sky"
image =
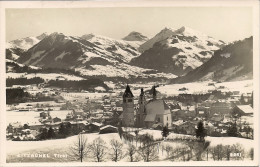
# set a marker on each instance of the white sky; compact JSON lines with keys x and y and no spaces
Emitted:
{"x":223,"y":23}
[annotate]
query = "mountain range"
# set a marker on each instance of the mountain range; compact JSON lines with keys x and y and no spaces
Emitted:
{"x":176,"y":51}
{"x":232,"y":62}
{"x":169,"y":54}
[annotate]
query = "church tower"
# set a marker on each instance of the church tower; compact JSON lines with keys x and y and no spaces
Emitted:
{"x":128,"y":108}
{"x":141,"y":113}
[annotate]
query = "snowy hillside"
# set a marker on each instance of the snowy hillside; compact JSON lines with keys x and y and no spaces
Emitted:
{"x":15,"y":48}
{"x":232,"y":62}
{"x":117,"y":49}
{"x":176,"y":51}
{"x":25,"y":43}
{"x":63,"y":146}
{"x":12,"y":66}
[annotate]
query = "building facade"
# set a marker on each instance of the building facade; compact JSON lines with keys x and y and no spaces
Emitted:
{"x":128,"y":108}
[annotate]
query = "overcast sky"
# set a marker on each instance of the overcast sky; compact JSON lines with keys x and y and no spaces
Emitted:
{"x":224,"y":23}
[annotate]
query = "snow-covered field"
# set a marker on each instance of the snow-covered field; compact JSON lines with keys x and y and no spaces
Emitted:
{"x":49,"y":146}
{"x":51,"y":76}
{"x":32,"y":117}
{"x":245,"y":86}
{"x":82,"y":95}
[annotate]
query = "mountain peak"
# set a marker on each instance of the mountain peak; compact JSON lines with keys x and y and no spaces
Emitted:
{"x":166,"y":30}
{"x":88,"y":36}
{"x":187,"y":31}
{"x":43,"y":35}
{"x":135,"y":36}
{"x":56,"y":33}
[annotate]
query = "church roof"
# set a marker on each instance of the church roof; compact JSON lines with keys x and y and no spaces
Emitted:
{"x":150,"y":117}
{"x":128,"y":92}
{"x":157,"y":106}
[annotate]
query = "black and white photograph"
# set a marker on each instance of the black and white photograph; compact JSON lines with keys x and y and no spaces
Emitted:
{"x":160,"y":83}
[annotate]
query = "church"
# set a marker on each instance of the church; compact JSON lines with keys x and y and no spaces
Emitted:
{"x":148,"y":112}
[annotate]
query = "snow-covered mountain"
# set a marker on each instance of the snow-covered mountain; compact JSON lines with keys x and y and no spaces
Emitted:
{"x":17,"y":47}
{"x":135,"y":36}
{"x":25,"y":43}
{"x":91,"y":55}
{"x":232,"y":62}
{"x":176,"y":51}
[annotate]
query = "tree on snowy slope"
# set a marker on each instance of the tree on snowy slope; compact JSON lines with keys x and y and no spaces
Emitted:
{"x":165,"y":132}
{"x":232,"y":130}
{"x":79,"y":150}
{"x":149,"y":149}
{"x":98,"y":147}
{"x":116,"y":150}
{"x":131,"y":150}
{"x":201,"y":131}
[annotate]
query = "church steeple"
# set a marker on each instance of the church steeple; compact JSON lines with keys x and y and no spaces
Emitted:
{"x":128,"y":93}
{"x":154,"y":92}
{"x":142,"y":92}
{"x":140,"y":115}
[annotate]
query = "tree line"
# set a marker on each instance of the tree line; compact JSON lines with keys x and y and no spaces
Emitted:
{"x":23,"y":81}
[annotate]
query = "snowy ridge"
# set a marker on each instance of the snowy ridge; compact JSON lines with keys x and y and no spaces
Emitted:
{"x":185,"y":49}
{"x":163,"y":34}
{"x":127,"y":49}
{"x":25,"y":43}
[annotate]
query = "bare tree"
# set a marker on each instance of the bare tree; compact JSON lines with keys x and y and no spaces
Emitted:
{"x":218,"y":152}
{"x":79,"y":149}
{"x":131,"y":150}
{"x":199,"y":149}
{"x":168,"y":149}
{"x":116,"y":148}
{"x":98,"y":147}
{"x":148,"y":151}
{"x":238,"y":148}
{"x":228,"y":150}
{"x":251,"y":153}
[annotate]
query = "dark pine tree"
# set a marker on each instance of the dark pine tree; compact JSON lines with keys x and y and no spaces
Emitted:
{"x":26,"y":126}
{"x":232,"y":130}
{"x":165,"y":132}
{"x":201,"y":131}
{"x":120,"y":130}
{"x":62,"y":130}
{"x":43,"y":134}
{"x":51,"y":133}
{"x":68,"y":128}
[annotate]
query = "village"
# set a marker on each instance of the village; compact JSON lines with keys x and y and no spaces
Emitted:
{"x":71,"y":113}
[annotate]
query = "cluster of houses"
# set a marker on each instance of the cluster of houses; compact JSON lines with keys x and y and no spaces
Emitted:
{"x":148,"y":111}
{"x":217,"y":114}
{"x":17,"y":131}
